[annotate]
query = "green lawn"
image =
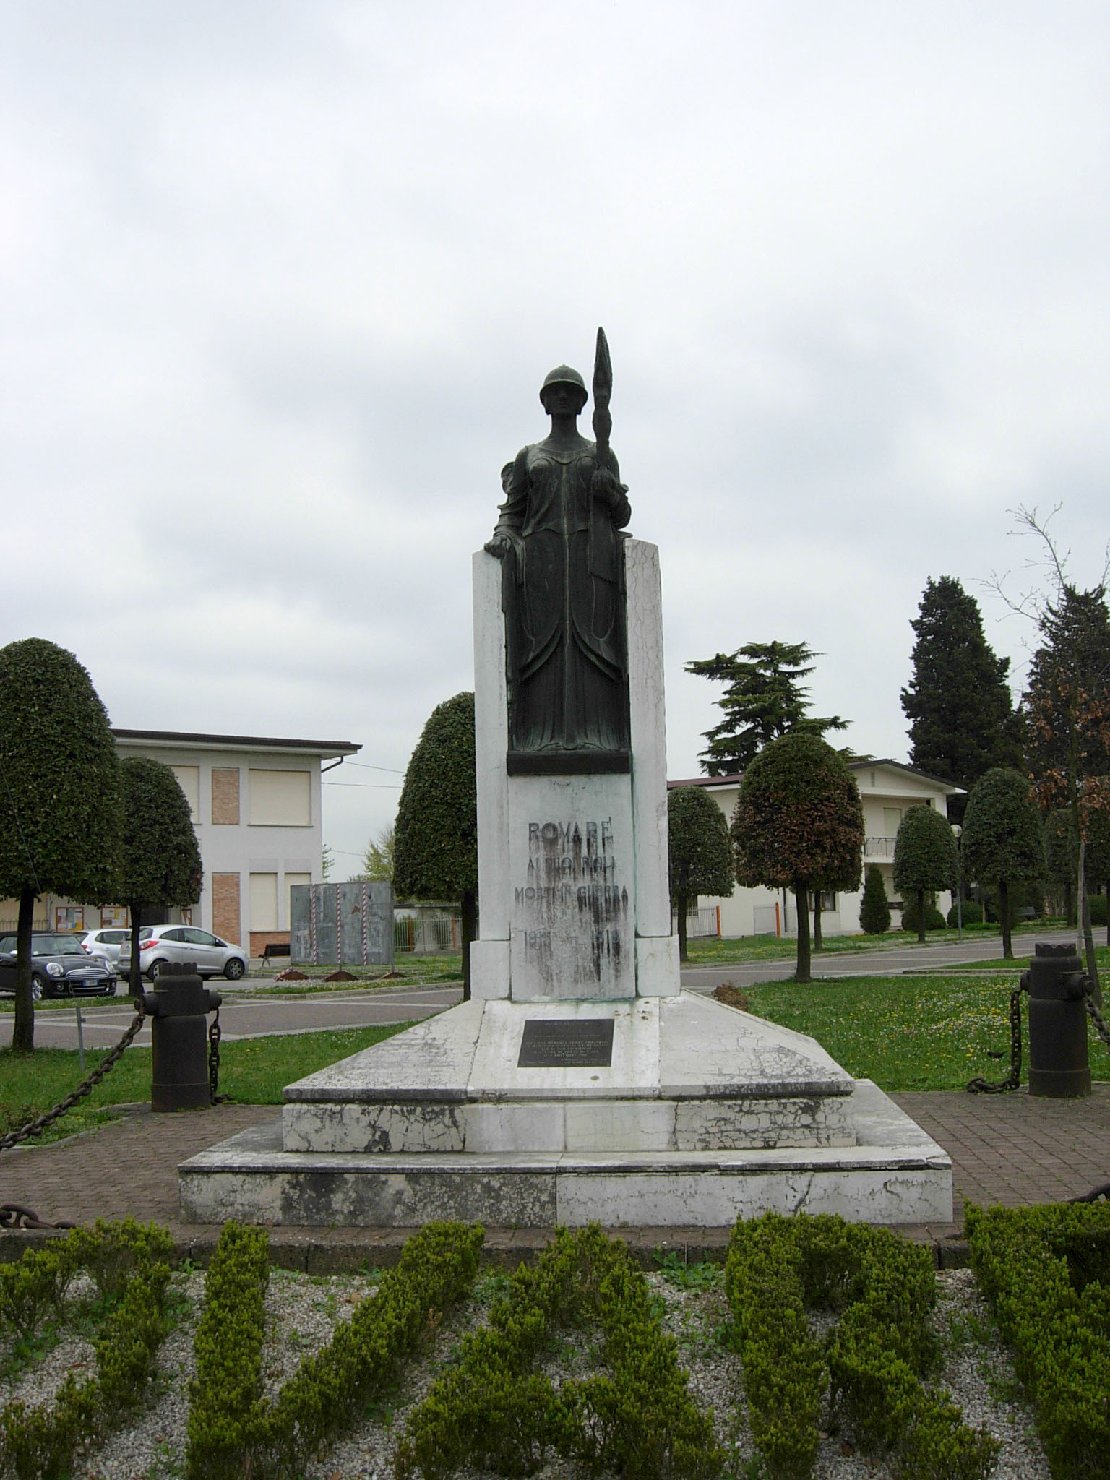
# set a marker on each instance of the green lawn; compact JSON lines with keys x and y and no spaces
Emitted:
{"x":252,"y":1070}
{"x":908,"y":1032}
{"x":921,"y":1032}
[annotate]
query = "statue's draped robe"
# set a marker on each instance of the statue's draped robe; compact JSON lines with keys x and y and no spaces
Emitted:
{"x":564,"y":602}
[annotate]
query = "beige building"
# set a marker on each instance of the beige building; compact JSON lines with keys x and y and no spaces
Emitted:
{"x":887,"y":790}
{"x":256,"y":805}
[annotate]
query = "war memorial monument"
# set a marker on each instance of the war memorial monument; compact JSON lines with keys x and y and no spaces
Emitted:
{"x":579,"y":1082}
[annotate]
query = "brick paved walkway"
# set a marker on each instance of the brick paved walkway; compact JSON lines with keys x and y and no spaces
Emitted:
{"x":1005,"y":1149}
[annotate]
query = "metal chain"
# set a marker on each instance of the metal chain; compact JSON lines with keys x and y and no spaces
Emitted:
{"x":1093,"y":1013}
{"x":107,"y":1063}
{"x":214,"y":1058}
{"x":979,"y":1086}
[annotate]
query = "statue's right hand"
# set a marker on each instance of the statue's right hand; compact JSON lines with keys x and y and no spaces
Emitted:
{"x":499,"y":544}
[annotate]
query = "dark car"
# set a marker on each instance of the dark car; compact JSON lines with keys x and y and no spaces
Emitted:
{"x":60,"y":967}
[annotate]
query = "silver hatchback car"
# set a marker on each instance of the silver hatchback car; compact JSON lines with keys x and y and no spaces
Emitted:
{"x":164,"y":945}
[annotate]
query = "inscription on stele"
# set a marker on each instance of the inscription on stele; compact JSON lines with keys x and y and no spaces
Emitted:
{"x":573,"y":907}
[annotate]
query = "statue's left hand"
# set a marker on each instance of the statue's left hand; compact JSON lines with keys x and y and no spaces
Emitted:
{"x":605,"y":486}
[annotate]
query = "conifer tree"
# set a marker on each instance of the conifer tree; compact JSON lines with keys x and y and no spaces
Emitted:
{"x":764,"y":699}
{"x":874,"y":910}
{"x":958,"y":700}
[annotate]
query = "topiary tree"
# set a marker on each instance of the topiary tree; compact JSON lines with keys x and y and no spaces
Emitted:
{"x":925,"y":859}
{"x":1002,"y":840}
{"x":60,"y":798}
{"x":436,"y":834}
{"x":874,"y":911}
{"x":798,"y":821}
{"x":160,"y":861}
{"x":699,"y":852}
{"x":920,"y":918}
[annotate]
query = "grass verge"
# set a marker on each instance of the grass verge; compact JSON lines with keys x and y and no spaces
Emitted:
{"x":909,"y":1032}
{"x":253,"y":1071}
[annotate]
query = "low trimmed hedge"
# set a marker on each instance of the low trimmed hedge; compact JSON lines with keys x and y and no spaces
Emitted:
{"x":1046,"y":1273}
{"x":129,"y":1262}
{"x":494,"y":1410}
{"x":232,"y":1430}
{"x":872,"y":1362}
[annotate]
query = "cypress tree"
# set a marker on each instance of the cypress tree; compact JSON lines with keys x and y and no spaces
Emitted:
{"x":958,"y":701}
{"x":874,"y":911}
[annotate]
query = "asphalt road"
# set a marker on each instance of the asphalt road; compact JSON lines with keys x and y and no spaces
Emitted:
{"x":256,"y":1007}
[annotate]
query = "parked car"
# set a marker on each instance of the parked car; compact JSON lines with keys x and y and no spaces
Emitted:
{"x":113,"y":945}
{"x":181,"y":944}
{"x":60,"y":967}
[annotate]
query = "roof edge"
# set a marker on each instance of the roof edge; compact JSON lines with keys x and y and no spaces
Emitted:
{"x":198,"y":739}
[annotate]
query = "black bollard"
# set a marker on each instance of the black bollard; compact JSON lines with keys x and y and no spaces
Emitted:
{"x":1058,"y":1065}
{"x":179,"y":1039}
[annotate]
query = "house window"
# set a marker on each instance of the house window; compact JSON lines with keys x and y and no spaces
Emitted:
{"x":280,"y":798}
{"x":188,"y":778}
{"x":828,"y":901}
{"x":264,"y":899}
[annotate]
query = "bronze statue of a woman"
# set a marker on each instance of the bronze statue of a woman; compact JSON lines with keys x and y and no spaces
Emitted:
{"x":559,"y":539}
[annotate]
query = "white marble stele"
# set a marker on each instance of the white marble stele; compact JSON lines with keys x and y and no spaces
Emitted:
{"x":697,"y":1115}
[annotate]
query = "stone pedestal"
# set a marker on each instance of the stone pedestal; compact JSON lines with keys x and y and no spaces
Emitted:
{"x":580,"y":1082}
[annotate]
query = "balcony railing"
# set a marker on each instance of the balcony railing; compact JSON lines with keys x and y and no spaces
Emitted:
{"x":878,"y":848}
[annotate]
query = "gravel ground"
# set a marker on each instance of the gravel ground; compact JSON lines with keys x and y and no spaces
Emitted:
{"x":302,"y":1311}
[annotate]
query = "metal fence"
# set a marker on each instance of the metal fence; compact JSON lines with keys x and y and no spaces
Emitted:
{"x":424,"y":935}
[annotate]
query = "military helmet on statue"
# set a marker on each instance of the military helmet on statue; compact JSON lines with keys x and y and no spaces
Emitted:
{"x":564,"y":375}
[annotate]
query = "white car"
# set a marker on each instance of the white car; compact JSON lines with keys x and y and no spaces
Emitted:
{"x":112,"y":945}
{"x":165,"y":945}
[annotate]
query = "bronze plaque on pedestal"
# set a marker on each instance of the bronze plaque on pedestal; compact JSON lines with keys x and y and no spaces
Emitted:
{"x":566,"y":1043}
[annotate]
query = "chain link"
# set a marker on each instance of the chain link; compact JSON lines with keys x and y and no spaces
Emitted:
{"x":214,"y":1058}
{"x":979,"y":1086}
{"x":1093,"y":1013}
{"x":107,"y":1063}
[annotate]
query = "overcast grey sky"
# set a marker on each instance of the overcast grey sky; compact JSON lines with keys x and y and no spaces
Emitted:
{"x":281,"y":282}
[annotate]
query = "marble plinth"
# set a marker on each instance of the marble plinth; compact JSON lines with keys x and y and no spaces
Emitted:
{"x":703,"y":1115}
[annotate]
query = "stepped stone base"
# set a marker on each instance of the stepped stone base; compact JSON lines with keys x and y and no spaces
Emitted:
{"x":703,"y":1115}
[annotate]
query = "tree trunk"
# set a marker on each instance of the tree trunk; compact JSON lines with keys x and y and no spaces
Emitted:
{"x":1004,"y":919}
{"x":1089,"y":956}
{"x":801,"y":973}
{"x":680,"y":911}
{"x":470,"y":933}
{"x":921,"y":916}
{"x":23,"y":1025}
{"x":817,"y":941}
{"x":1069,"y":906}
